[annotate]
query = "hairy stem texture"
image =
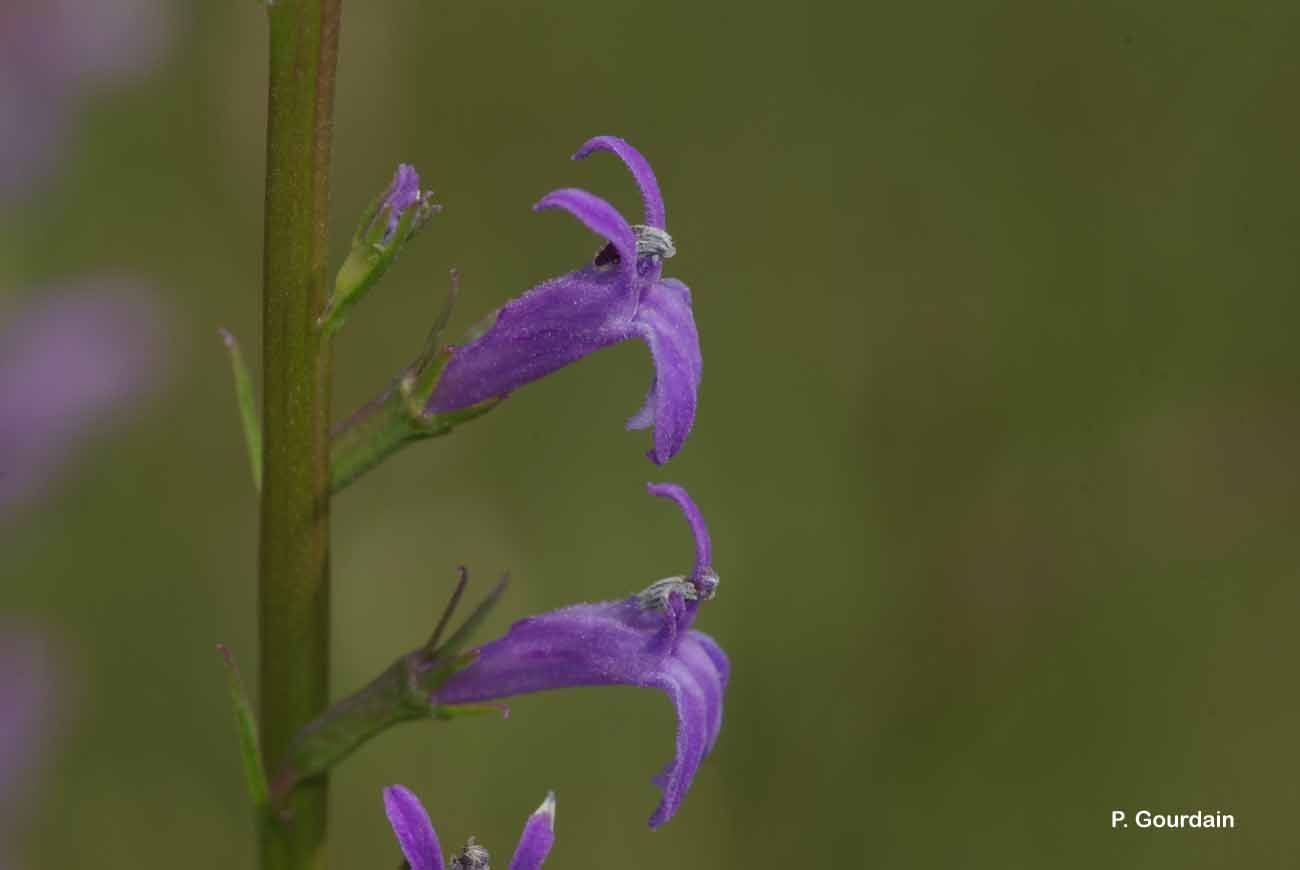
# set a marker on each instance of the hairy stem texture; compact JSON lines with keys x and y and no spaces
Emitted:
{"x":293,"y":593}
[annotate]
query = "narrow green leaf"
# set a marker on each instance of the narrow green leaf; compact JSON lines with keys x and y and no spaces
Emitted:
{"x":246,"y":728}
{"x":247,"y":406}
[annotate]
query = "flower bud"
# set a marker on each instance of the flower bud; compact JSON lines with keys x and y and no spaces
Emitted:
{"x":384,"y":229}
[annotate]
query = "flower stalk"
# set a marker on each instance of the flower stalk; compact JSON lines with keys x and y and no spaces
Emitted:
{"x":400,"y":415}
{"x":404,"y":692}
{"x":293,"y":591}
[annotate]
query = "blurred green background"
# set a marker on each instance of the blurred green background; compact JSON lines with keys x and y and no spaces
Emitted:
{"x":997,"y":436}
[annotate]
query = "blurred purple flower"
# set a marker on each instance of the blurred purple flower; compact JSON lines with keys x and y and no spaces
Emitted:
{"x":52,"y":54}
{"x":25,"y":666}
{"x":69,"y":364}
{"x":644,"y":640}
{"x":620,"y":295}
{"x":419,"y":841}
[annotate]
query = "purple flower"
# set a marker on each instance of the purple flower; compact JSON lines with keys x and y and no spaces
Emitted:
{"x":419,"y":841}
{"x":403,"y":193}
{"x":69,"y":364}
{"x":52,"y":52}
{"x":25,"y":665}
{"x":644,"y":640}
{"x":618,"y":296}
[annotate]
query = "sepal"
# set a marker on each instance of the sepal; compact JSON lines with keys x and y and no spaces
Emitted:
{"x":405,"y":691}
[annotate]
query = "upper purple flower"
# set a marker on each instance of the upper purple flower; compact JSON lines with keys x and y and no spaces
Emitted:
{"x":68,"y":364}
{"x":419,"y":841}
{"x":644,"y":640}
{"x":52,"y":52}
{"x":619,"y":295}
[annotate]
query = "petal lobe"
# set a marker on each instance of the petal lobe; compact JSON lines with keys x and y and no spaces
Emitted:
{"x":640,"y":169}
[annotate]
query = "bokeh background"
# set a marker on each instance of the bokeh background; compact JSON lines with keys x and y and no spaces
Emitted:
{"x":997,"y":436}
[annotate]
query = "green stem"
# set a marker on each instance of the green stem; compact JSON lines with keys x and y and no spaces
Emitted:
{"x":294,"y":556}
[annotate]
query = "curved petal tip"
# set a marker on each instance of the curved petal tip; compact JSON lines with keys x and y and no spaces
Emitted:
{"x":538,"y":837}
{"x":412,"y":828}
{"x":690,"y":510}
{"x":598,"y":216}
{"x":695,"y":682}
{"x":665,"y":321}
{"x":640,"y":169}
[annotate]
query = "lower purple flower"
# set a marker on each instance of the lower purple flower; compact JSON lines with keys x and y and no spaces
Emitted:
{"x":25,"y":665}
{"x":419,"y":841}
{"x":645,"y":640}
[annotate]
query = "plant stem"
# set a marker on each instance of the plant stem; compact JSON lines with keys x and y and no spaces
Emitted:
{"x":294,"y":554}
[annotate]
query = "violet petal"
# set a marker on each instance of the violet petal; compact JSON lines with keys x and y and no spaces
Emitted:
{"x":666,"y":323}
{"x":403,"y":193}
{"x":537,"y":839}
{"x":545,"y":329}
{"x":606,"y":644}
{"x":601,"y":218}
{"x":640,"y":169}
{"x":414,"y":831}
{"x":699,"y":529}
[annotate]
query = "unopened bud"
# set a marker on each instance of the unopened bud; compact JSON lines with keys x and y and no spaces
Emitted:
{"x":384,"y":229}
